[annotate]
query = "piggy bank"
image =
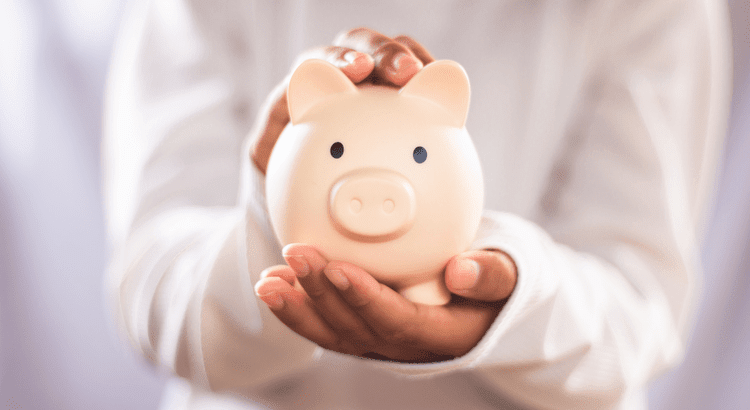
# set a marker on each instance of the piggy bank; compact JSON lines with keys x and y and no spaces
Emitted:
{"x":386,"y":179}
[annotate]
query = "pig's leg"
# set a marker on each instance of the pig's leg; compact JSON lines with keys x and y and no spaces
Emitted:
{"x":433,"y":292}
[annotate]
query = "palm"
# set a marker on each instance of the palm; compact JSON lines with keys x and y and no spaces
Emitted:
{"x":362,"y":317}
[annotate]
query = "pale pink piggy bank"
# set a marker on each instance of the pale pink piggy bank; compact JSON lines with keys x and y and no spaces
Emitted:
{"x":386,"y":179}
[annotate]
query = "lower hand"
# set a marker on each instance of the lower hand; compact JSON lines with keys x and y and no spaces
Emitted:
{"x":363,"y":55}
{"x":341,"y":307}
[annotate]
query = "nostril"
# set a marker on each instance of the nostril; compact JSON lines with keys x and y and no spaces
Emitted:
{"x":388,"y":206}
{"x":356,"y":205}
{"x":372,"y":205}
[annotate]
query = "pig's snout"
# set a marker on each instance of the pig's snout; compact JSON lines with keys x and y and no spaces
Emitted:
{"x":372,"y":205}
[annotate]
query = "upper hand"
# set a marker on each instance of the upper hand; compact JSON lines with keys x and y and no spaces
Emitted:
{"x":363,"y":55}
{"x":341,"y":307}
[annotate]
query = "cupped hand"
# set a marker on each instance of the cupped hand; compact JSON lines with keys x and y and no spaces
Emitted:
{"x":341,"y":307}
{"x":363,"y":55}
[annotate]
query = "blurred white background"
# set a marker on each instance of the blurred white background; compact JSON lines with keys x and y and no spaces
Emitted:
{"x":58,"y":345}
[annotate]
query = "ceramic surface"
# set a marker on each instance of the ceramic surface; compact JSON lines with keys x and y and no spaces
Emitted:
{"x":383,"y":178}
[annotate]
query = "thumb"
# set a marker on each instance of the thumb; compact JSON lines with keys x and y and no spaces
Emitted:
{"x":487,"y":275}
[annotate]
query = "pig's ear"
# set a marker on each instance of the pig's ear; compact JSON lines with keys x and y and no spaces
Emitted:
{"x":445,"y":83}
{"x":311,"y":82}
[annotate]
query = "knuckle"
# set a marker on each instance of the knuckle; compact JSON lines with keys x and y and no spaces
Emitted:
{"x":390,"y":48}
{"x":403,"y":38}
{"x":361,"y":37}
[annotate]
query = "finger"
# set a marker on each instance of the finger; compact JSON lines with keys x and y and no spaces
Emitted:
{"x":405,"y":326}
{"x":420,"y":356}
{"x":466,"y":323}
{"x":416,"y":48}
{"x":394,"y":62}
{"x":271,"y":120}
{"x":357,"y":65}
{"x":294,"y":310}
{"x":303,"y":259}
{"x":276,"y":292}
{"x":481,"y":275}
{"x":280,"y":271}
{"x":274,"y":113}
{"x":361,"y":39}
{"x":390,"y":315}
{"x":309,"y":264}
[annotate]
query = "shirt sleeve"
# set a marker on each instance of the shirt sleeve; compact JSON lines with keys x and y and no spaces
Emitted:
{"x":608,"y":274}
{"x":175,"y":118}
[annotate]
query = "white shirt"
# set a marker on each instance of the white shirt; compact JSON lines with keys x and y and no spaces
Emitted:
{"x":598,"y":126}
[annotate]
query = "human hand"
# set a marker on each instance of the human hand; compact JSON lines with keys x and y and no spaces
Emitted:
{"x":341,"y":307}
{"x":363,"y":55}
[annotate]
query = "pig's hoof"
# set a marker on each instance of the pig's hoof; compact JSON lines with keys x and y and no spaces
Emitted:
{"x":428,"y":293}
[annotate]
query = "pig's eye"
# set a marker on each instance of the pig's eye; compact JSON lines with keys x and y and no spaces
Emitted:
{"x":337,"y":150}
{"x":420,"y":155}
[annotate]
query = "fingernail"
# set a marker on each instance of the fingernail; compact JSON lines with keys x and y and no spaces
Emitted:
{"x":337,"y":278}
{"x":273,"y":300}
{"x":466,"y":274}
{"x":351,"y":57}
{"x":299,"y":264}
{"x":402,"y":60}
{"x":404,"y":67}
{"x":406,"y":62}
